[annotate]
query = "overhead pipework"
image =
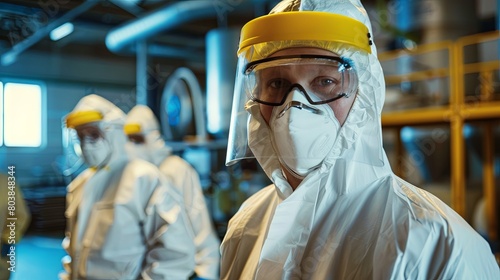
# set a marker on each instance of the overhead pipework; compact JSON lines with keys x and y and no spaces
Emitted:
{"x":158,"y":21}
{"x":123,"y":37}
{"x":11,"y":56}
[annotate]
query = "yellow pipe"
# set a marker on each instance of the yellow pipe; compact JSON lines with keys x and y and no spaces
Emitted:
{"x":481,"y":66}
{"x":416,"y":116}
{"x":457,"y":84}
{"x":478,"y":38}
{"x":457,"y":166}
{"x":457,"y":155}
{"x":421,"y":49}
{"x":480,"y":110}
{"x":486,"y":84}
{"x":417,"y":76}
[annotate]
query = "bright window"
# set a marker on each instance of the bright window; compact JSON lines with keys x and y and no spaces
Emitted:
{"x":22,"y":115}
{"x":1,"y":113}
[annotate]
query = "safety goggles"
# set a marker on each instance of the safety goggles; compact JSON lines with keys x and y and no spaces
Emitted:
{"x":89,"y":133}
{"x":322,"y":79}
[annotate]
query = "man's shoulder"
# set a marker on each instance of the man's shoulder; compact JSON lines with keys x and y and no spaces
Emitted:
{"x":256,"y":206}
{"x":262,"y":196}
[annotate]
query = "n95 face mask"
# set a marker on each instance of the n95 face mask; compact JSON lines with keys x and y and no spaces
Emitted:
{"x":139,"y":151}
{"x":96,"y":152}
{"x":302,"y":134}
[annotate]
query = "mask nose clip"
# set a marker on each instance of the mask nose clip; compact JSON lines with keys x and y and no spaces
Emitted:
{"x":301,"y":106}
{"x":298,"y":90}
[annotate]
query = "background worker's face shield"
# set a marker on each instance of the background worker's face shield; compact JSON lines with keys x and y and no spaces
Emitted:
{"x":72,"y":162}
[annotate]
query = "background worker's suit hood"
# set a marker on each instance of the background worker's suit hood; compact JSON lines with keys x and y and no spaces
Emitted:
{"x":359,"y":144}
{"x":111,"y":125}
{"x":149,"y":127}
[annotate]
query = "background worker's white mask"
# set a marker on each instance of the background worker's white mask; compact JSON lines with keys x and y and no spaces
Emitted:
{"x":302,"y":134}
{"x":140,"y":151}
{"x":96,"y":153}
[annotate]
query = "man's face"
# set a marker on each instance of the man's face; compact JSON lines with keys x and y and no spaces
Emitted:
{"x":88,"y":133}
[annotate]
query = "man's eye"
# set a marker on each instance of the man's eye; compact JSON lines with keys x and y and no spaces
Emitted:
{"x":325,"y":82}
{"x":278,"y":83}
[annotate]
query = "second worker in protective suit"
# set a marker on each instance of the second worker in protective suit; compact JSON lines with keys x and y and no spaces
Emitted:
{"x":308,"y":99}
{"x":125,"y":220}
{"x":145,"y":142}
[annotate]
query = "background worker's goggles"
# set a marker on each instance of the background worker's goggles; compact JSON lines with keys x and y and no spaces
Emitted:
{"x":323,"y":79}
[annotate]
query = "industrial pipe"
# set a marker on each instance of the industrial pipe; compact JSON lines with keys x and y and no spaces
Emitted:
{"x":160,"y":20}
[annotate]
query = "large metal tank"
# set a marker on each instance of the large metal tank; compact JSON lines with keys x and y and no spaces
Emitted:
{"x":221,"y":47}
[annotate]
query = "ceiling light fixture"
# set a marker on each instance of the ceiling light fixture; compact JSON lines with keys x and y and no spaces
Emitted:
{"x":61,"y":31}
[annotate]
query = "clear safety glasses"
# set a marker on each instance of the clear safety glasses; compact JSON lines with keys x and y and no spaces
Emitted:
{"x":89,"y":133}
{"x":322,"y":79}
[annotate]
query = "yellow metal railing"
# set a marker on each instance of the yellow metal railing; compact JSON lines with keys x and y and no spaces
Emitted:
{"x":484,"y":109}
{"x":456,"y":113}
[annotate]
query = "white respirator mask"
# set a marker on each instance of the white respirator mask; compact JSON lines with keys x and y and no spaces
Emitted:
{"x":302,"y":134}
{"x":140,"y":151}
{"x":96,"y":152}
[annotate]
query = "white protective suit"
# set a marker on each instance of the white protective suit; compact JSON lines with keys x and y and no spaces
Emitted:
{"x":142,"y":121}
{"x":125,"y":220}
{"x":351,"y":218}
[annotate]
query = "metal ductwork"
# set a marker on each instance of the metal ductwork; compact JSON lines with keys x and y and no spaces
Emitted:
{"x":158,"y":21}
{"x":221,"y":60}
{"x":10,"y":56}
{"x":124,"y":37}
{"x":162,"y":50}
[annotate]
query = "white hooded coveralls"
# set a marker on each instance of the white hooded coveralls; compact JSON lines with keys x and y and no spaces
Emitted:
{"x":125,"y":220}
{"x":351,"y":218}
{"x":186,"y":180}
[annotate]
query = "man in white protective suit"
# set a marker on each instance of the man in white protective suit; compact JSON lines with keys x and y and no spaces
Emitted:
{"x":308,"y":99}
{"x":125,"y":220}
{"x":145,"y":142}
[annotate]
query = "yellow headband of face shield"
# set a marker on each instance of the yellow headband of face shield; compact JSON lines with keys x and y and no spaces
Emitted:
{"x":132,"y":128}
{"x":82,"y":117}
{"x":305,"y":26}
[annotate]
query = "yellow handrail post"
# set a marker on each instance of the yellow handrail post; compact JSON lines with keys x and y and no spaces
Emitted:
{"x":457,"y":155}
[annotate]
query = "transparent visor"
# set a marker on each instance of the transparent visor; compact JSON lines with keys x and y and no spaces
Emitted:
{"x":267,"y":82}
{"x":73,"y":139}
{"x":72,"y":160}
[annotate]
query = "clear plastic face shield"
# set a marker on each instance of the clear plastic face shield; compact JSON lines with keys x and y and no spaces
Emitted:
{"x":86,"y":130}
{"x":323,"y":79}
{"x":265,"y":79}
{"x":73,"y":160}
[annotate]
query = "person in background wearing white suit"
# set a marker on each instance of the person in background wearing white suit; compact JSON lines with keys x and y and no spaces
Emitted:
{"x":145,"y":142}
{"x":125,"y":220}
{"x":307,"y":105}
